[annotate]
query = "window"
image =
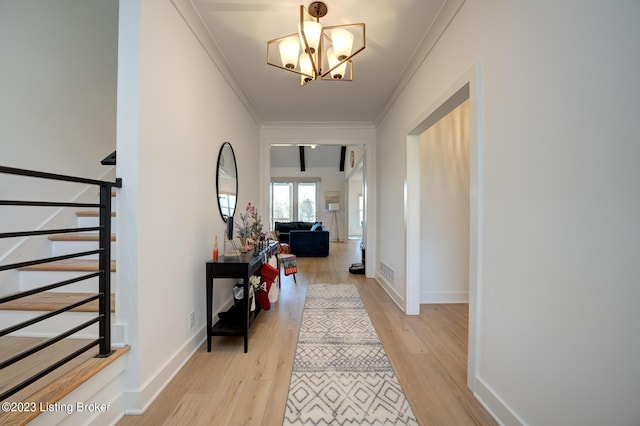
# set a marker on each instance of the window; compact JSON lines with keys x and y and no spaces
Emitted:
{"x":293,"y":200}
{"x":307,"y":201}
{"x":282,"y":203}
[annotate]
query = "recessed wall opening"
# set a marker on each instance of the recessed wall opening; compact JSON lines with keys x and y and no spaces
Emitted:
{"x":442,"y":207}
{"x":337,"y":172}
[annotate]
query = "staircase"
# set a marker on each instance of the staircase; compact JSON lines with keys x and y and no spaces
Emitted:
{"x":55,"y":344}
{"x":31,"y":277}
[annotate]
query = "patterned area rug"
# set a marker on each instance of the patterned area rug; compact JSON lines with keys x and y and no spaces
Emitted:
{"x":341,"y":374}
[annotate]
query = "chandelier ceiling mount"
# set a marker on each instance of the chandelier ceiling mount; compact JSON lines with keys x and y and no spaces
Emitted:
{"x":318,"y":9}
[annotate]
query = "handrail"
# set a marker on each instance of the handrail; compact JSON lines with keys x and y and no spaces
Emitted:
{"x":48,"y":260}
{"x":103,"y":293}
{"x":47,"y":232}
{"x":55,"y":176}
{"x":44,"y":204}
{"x":26,"y":293}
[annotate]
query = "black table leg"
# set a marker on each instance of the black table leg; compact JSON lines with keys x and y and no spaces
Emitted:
{"x":209,"y":291}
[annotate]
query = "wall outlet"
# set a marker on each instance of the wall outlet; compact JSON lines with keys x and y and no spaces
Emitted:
{"x":192,"y":320}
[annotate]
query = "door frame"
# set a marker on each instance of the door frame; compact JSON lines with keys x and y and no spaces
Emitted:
{"x":466,"y":87}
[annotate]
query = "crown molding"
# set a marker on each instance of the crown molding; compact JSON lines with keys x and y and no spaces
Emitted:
{"x":318,"y":124}
{"x":445,"y":16}
{"x":194,"y":21}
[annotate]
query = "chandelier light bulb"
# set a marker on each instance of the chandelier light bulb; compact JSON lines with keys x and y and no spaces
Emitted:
{"x":312,"y":31}
{"x":306,"y":67}
{"x":337,"y":73}
{"x":342,"y":41}
{"x":289,"y":50}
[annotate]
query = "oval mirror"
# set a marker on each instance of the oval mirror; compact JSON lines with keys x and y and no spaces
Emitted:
{"x":227,"y":181}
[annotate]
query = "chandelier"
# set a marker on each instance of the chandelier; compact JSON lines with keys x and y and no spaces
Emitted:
{"x":317,"y":52}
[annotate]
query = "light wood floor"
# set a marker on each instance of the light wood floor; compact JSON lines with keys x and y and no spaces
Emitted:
{"x":229,"y":387}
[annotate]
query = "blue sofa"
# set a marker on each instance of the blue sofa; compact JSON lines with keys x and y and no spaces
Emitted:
{"x":303,"y":241}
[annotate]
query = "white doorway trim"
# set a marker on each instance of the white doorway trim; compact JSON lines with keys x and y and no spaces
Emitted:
{"x":342,"y":134}
{"x":467,"y":87}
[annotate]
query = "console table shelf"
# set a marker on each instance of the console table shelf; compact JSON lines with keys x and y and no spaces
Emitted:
{"x":232,"y":322}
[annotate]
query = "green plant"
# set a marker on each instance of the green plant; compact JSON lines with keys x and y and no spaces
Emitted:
{"x":250,"y":223}
{"x":256,"y":227}
{"x":243,"y":226}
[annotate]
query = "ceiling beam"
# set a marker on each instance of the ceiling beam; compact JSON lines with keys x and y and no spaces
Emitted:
{"x":302,"y":166}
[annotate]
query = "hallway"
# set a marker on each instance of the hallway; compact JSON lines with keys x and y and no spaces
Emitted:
{"x":228,"y":387}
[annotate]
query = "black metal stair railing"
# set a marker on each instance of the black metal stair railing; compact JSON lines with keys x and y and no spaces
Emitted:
{"x":103,"y":295}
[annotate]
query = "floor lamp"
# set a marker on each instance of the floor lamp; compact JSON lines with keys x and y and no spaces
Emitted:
{"x":334,"y":208}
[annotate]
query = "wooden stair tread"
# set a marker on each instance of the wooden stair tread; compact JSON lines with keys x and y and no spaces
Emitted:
{"x":75,"y":265}
{"x":50,"y":301}
{"x":61,"y":387}
{"x":78,"y":237}
{"x":92,"y":213}
{"x":11,"y":346}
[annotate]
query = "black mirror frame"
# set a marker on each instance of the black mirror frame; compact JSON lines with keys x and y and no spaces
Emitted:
{"x":235,"y":164}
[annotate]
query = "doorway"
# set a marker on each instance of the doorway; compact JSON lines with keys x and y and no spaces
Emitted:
{"x":354,"y":191}
{"x":281,"y":161}
{"x":466,"y":89}
{"x":444,"y":209}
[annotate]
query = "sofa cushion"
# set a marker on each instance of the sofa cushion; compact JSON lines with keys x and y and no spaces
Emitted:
{"x":309,"y":243}
{"x":316,"y":226}
{"x":284,"y":228}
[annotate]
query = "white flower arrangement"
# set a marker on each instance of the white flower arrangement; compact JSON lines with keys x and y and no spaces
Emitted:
{"x":254,"y":280}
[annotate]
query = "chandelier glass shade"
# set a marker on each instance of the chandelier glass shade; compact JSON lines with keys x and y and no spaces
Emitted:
{"x":317,"y":52}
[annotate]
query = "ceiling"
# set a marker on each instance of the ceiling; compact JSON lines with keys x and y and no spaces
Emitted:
{"x":318,"y":156}
{"x":394,"y":31}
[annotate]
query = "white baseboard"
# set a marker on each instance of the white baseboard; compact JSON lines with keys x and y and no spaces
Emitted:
{"x":96,"y":402}
{"x":498,"y":409}
{"x":136,"y":402}
{"x":431,"y":297}
{"x":391,"y":291}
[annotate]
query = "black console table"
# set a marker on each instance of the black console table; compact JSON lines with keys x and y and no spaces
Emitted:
{"x":247,"y":264}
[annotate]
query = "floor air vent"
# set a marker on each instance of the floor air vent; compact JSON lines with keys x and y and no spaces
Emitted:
{"x":387,"y":272}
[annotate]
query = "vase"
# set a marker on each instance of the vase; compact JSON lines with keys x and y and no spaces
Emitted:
{"x":243,"y":245}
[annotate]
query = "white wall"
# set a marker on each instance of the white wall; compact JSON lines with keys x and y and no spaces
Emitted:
{"x":57,"y":99}
{"x":359,"y":152}
{"x":354,"y":176}
{"x":444,"y":209}
{"x":175,"y":111}
{"x":355,"y":191}
{"x":556,"y":329}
